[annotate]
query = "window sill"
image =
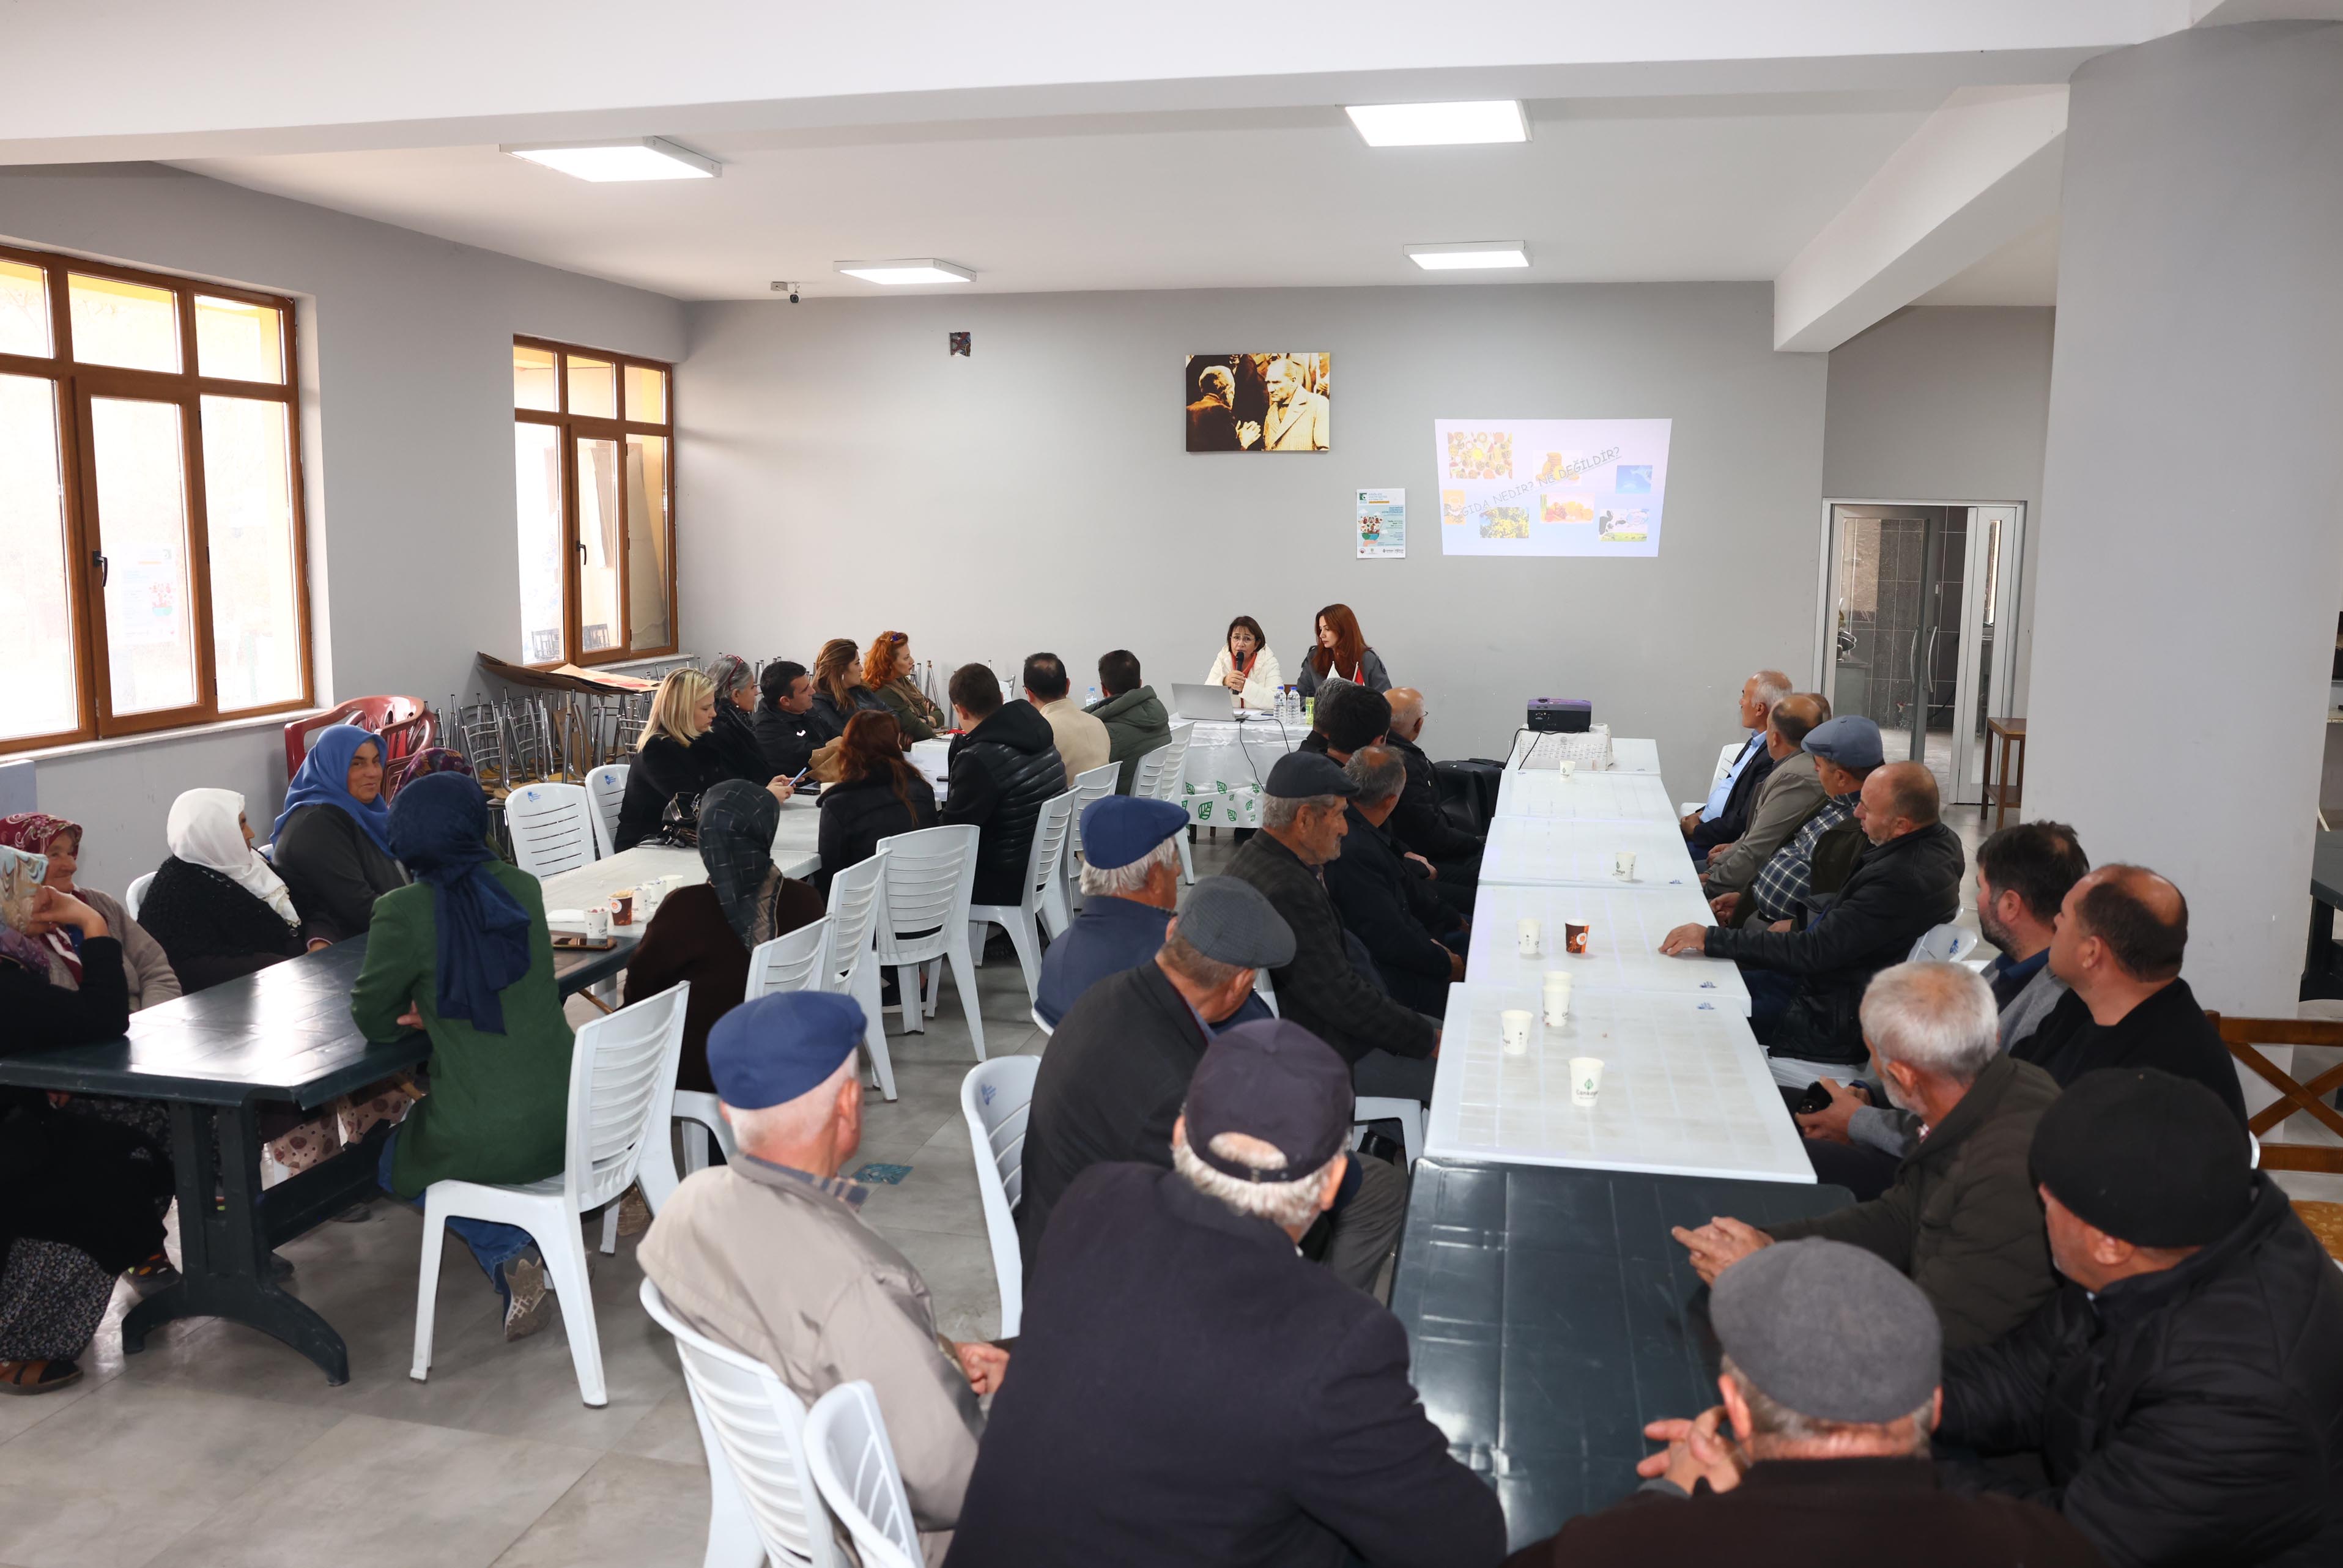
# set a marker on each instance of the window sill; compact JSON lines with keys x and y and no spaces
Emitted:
{"x":277,"y":721}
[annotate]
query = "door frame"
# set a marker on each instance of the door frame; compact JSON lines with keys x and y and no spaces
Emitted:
{"x":2001,"y":681}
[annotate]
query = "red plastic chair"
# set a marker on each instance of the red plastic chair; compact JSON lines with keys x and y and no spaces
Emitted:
{"x":407,"y":725}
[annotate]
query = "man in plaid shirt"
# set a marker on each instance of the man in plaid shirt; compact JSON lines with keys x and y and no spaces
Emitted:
{"x":1845,"y":749}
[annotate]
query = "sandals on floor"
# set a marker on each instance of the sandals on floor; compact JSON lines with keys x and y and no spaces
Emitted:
{"x":37,"y":1376}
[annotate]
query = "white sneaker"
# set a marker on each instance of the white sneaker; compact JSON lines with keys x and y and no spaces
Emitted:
{"x":526,"y":1299}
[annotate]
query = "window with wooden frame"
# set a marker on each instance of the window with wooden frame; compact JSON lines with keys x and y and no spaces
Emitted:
{"x":152,"y":565}
{"x":594,"y":469}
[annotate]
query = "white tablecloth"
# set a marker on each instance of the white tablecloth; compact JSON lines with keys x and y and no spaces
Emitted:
{"x":1685,"y":1093}
{"x":1623,"y":947}
{"x":1227,"y":764}
{"x":1556,"y":851}
{"x":575,"y":891}
{"x":1585,"y":797}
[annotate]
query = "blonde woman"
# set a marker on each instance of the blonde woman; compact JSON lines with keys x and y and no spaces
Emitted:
{"x":887,"y":671}
{"x":676,"y":759}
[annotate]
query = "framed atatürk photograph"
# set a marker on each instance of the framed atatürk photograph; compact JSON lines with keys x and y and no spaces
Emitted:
{"x":1259,"y":402}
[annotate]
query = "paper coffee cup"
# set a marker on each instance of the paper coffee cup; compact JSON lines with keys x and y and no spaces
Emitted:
{"x":1568,"y":769}
{"x":1557,"y":997}
{"x":1575,"y":937}
{"x":1514,"y":1030}
{"x":1526,"y":936}
{"x":1625,"y":865}
{"x":598,"y":925}
{"x":1585,"y":1079}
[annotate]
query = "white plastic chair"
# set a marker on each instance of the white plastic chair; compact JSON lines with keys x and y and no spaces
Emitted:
{"x":1170,"y":762}
{"x":552,"y":828}
{"x":1093,"y":784}
{"x":790,"y":962}
{"x":606,"y":789}
{"x":1408,"y":1113}
{"x":854,"y":1469}
{"x":762,"y":1503}
{"x":1944,"y":945}
{"x":1043,"y":1024}
{"x":854,"y":897}
{"x":135,"y":897}
{"x":923,"y":920}
{"x":1022,"y":918}
{"x":622,"y":1079}
{"x":996,"y":1097}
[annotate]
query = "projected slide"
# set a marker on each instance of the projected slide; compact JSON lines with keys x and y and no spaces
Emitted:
{"x":1551,"y":487}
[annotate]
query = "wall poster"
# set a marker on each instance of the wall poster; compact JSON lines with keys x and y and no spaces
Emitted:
{"x":1383,"y":524}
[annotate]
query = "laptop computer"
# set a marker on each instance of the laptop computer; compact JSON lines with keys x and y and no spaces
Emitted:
{"x":1205,"y":702}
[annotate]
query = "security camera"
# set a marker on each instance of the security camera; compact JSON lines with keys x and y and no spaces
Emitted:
{"x":789,"y":288}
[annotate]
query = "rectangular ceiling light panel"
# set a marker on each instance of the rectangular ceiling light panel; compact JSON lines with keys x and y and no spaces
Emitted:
{"x":1471,"y":256}
{"x":907,"y":269}
{"x":1440,"y":124}
{"x":640,"y":159}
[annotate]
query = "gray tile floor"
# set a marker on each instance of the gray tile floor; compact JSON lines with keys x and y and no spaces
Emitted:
{"x":217,"y":1445}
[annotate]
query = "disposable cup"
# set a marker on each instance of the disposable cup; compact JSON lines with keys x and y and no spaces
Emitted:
{"x":1526,"y":936}
{"x":1625,"y":865}
{"x":598,"y":925}
{"x":1585,"y":1079}
{"x":1557,"y":997}
{"x":1514,"y":1030}
{"x":1573,"y":937}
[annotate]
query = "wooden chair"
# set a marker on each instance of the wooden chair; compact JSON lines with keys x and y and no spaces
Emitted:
{"x":2245,"y":1037}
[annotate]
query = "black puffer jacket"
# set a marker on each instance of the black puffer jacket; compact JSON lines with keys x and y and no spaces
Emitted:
{"x":856,"y":815}
{"x":1001,"y":773}
{"x":1896,"y":893}
{"x":2193,"y":1416}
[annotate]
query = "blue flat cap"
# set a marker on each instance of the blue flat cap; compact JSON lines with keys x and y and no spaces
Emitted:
{"x":1119,"y":829}
{"x":777,"y":1047}
{"x":1851,"y":740}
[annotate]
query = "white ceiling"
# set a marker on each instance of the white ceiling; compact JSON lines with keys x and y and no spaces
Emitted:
{"x":1655,"y":188}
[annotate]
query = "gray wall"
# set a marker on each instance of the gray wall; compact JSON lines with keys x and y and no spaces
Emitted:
{"x":839,"y":473}
{"x":1946,"y":404}
{"x":407,"y":374}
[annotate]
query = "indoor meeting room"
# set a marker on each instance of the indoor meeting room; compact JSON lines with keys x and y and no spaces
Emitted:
{"x":695,"y":872}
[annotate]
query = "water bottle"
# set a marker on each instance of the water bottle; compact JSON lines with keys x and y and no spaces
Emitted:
{"x":1092,"y":701}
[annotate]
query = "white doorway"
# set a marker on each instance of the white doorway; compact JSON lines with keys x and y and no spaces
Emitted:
{"x":1918,"y":627}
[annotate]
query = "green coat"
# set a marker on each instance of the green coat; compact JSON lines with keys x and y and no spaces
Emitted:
{"x":1135,"y":725}
{"x":918,"y":719}
{"x":498,"y":1106}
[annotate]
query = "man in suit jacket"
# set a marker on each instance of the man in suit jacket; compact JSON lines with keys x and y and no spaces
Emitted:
{"x":1406,"y":928}
{"x":1189,"y":1390}
{"x":1296,"y":420}
{"x":1790,"y":794}
{"x":1725,"y":814}
{"x":1418,"y":822}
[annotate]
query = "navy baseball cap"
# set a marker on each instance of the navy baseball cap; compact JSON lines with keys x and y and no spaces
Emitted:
{"x":1305,"y":775}
{"x":1119,"y":829}
{"x":779,"y":1047}
{"x":1276,"y":1082}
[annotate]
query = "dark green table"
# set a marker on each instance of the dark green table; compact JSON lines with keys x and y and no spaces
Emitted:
{"x":281,"y":1036}
{"x":1551,"y":1316}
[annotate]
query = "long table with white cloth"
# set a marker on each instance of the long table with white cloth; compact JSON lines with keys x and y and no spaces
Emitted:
{"x":1684,"y":1087}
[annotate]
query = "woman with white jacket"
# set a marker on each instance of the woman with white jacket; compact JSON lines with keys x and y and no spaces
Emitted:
{"x":1246,"y":666}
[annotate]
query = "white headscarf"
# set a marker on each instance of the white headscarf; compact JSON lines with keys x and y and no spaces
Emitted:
{"x":204,"y":830}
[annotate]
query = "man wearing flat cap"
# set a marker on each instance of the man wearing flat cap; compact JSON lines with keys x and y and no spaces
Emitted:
{"x":766,"y":1254}
{"x":1118,"y":1066}
{"x":1847,"y":752}
{"x":1130,"y":885}
{"x":2183,"y":1391}
{"x":1389,"y":1046}
{"x":1189,"y":1390}
{"x":1820,"y":1452}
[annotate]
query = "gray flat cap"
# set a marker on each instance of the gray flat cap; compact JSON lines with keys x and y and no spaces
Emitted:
{"x":1830,"y":1330}
{"x":1227,"y":918}
{"x":1851,"y":740}
{"x":1306,"y":775}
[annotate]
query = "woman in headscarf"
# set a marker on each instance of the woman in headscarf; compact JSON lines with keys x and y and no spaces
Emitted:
{"x":887,"y":671}
{"x":145,"y":965}
{"x":218,"y":909}
{"x":704,"y":934}
{"x":81,"y":1199}
{"x":464,"y":955}
{"x":332,"y":841}
{"x":732,"y":732}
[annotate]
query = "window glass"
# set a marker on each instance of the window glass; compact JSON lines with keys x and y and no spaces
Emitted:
{"x":40,"y":695}
{"x":593,"y":388}
{"x":24,"y":309}
{"x":256,"y":581}
{"x":534,"y":383}
{"x":125,"y":324}
{"x":237,"y":341}
{"x":536,"y":467}
{"x":646,"y":394}
{"x":139,"y":465}
{"x":599,"y":628}
{"x":646,"y":542}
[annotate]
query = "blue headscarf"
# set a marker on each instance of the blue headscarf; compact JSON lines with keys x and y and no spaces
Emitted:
{"x":440,"y":827}
{"x":324,"y":779}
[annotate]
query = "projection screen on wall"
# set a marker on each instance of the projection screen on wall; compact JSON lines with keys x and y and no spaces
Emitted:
{"x":1551,"y":487}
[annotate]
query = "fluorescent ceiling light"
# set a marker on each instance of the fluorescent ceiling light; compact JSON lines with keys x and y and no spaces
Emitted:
{"x":1439,"y":124}
{"x":1469,"y":256}
{"x":909,"y":269}
{"x":638,"y":158}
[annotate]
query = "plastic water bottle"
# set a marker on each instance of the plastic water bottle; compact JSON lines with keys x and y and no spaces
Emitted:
{"x":1092,"y":701}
